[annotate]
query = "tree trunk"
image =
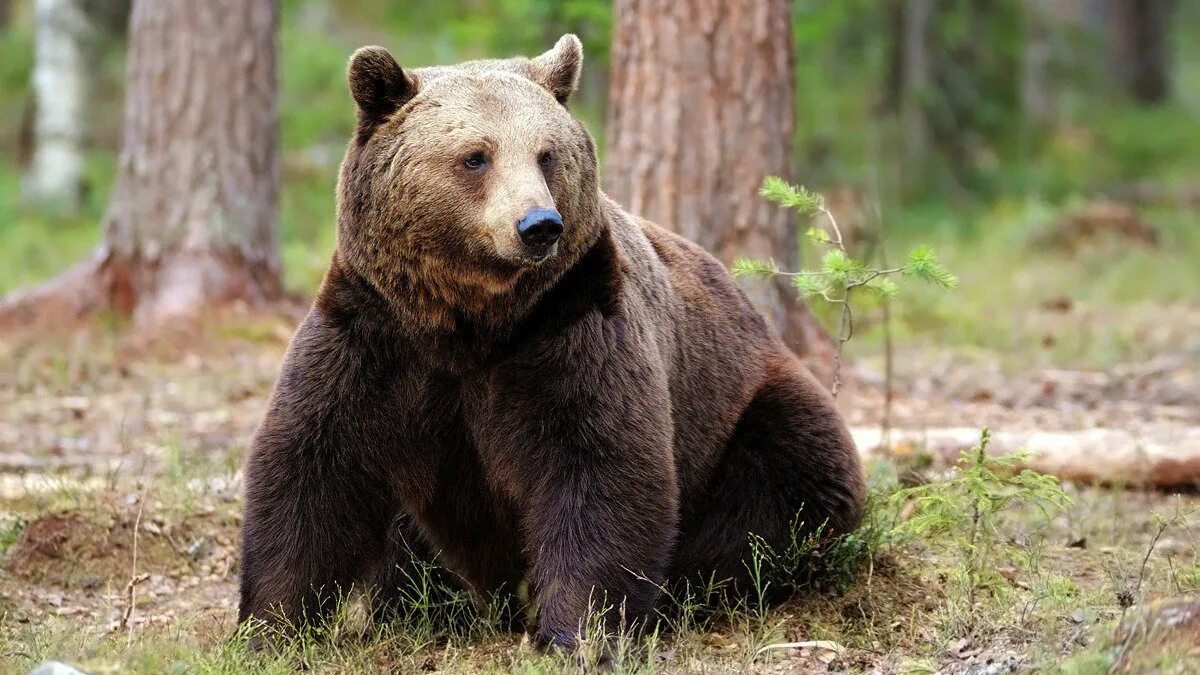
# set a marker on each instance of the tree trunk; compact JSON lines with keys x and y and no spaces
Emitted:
{"x":1140,"y":51}
{"x":1039,"y":95}
{"x":916,"y":77}
{"x":957,"y":88}
{"x":192,"y":221}
{"x":701,"y":108}
{"x":63,"y":58}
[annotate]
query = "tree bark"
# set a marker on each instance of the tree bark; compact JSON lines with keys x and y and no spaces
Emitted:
{"x":192,"y":221}
{"x":1140,"y":36}
{"x":701,"y":109}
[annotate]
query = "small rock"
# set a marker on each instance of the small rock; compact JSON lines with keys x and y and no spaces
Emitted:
{"x":199,"y":549}
{"x":1169,"y":545}
{"x":1157,"y":627}
{"x":1162,"y":615}
{"x":717,"y":640}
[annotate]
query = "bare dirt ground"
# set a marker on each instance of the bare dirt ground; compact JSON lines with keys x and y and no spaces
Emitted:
{"x":119,"y":507}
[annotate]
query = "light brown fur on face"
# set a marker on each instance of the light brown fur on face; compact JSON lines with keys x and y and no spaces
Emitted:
{"x":509,"y":119}
{"x":421,"y":225}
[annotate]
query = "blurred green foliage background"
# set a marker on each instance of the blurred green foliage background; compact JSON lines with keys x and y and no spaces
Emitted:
{"x":981,"y":205}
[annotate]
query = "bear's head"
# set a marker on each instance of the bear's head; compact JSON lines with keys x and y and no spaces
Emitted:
{"x":465,"y":185}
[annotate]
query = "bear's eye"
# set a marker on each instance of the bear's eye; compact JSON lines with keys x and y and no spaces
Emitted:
{"x":545,"y":159}
{"x":476,"y":161}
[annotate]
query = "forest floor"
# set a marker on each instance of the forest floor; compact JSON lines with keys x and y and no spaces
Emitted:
{"x":119,"y":457}
{"x":120,"y":503}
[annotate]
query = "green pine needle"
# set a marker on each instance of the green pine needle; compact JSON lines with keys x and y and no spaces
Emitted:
{"x":753,"y":267}
{"x":811,"y":285}
{"x":923,"y":264}
{"x":886,"y":288}
{"x":841,"y":269}
{"x":818,"y":236}
{"x":791,"y":196}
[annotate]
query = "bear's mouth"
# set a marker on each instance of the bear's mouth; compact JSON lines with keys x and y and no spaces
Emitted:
{"x":532,"y":256}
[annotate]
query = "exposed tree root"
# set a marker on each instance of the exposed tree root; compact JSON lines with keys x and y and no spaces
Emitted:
{"x":183,"y":286}
{"x":64,"y":302}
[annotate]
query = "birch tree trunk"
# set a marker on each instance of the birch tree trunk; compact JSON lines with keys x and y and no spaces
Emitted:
{"x":700,"y":111}
{"x":64,"y":40}
{"x":192,"y":221}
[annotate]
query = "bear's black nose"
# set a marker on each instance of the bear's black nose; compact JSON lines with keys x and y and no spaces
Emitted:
{"x":540,"y":228}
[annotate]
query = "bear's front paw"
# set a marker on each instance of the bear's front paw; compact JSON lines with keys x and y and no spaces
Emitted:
{"x":551,"y":640}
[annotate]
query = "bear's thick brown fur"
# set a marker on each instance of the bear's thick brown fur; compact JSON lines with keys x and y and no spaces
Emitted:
{"x":597,"y":417}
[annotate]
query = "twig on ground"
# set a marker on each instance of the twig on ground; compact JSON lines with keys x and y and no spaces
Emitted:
{"x":135,"y":579}
{"x":828,"y":645}
{"x":1128,"y":598}
{"x":133,"y":582}
{"x":1162,"y":527}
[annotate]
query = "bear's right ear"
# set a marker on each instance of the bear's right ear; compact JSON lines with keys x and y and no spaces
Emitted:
{"x":558,"y":69}
{"x":379,"y":86}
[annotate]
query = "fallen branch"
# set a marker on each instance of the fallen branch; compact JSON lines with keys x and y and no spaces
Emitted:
{"x":1164,"y":457}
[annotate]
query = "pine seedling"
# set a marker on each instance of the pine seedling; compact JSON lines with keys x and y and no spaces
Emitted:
{"x":840,"y":274}
{"x":963,"y":514}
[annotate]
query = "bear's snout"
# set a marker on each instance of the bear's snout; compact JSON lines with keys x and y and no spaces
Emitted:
{"x":539,"y":229}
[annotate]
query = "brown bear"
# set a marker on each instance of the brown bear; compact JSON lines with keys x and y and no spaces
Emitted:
{"x":505,"y":372}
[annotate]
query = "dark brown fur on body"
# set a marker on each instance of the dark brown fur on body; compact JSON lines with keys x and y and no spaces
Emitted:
{"x":599,"y":421}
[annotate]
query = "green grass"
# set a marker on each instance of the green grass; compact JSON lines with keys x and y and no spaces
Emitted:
{"x":890,"y":606}
{"x":889,"y":602}
{"x":34,"y":246}
{"x":1025,"y":304}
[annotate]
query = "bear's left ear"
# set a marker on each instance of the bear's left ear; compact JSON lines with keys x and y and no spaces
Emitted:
{"x":379,"y":86}
{"x":558,"y":69}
